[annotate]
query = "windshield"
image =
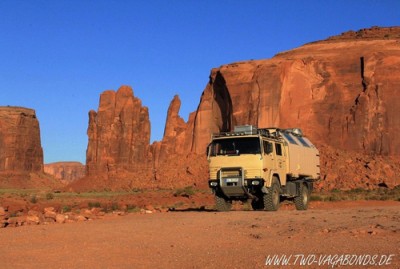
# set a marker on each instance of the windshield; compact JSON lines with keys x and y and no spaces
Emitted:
{"x":235,"y":146}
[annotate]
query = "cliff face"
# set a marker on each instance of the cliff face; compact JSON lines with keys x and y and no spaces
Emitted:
{"x":21,"y":153}
{"x":342,"y":93}
{"x":20,"y":146}
{"x":66,"y":172}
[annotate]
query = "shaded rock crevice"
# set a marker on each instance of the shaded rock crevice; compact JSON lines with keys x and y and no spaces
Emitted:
{"x":222,"y":104}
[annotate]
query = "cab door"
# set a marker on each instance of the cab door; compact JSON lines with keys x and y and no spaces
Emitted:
{"x":268,"y":161}
{"x":281,"y":164}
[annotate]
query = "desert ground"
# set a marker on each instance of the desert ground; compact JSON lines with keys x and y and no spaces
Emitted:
{"x":368,"y":232}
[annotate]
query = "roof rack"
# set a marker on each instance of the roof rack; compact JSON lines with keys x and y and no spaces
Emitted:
{"x":270,"y":132}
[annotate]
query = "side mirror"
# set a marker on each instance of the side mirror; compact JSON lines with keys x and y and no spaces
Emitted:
{"x":208,"y":150}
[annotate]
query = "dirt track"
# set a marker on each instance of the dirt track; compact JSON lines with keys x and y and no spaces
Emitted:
{"x":208,"y":239}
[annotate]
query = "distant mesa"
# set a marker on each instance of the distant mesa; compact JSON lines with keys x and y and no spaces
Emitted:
{"x":66,"y":172}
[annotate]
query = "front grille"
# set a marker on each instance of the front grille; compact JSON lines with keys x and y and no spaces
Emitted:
{"x":231,"y":173}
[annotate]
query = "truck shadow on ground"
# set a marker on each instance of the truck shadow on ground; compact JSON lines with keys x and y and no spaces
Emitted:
{"x":192,"y":209}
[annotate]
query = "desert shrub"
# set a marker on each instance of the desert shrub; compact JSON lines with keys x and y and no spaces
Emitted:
{"x":177,"y":205}
{"x":185,"y":192}
{"x":357,"y":190}
{"x":136,"y":190}
{"x":114,"y":206}
{"x":33,"y":199}
{"x":316,"y":198}
{"x":94,"y":204}
{"x":334,"y":198}
{"x":132,"y":208}
{"x":23,"y":195}
{"x":49,"y":196}
{"x":66,"y":208}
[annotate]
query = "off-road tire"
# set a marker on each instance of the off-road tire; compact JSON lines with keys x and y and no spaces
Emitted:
{"x":272,"y":198}
{"x":222,"y":204}
{"x":257,"y":204}
{"x":301,"y":201}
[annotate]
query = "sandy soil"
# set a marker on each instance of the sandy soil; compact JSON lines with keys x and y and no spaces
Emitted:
{"x":209,"y":239}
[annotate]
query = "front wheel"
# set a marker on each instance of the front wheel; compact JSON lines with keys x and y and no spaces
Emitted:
{"x":301,"y":201}
{"x":272,"y":198}
{"x":221,"y":203}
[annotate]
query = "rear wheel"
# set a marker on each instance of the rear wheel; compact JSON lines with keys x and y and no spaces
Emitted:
{"x":301,"y":201}
{"x":272,"y":198}
{"x":221,"y":203}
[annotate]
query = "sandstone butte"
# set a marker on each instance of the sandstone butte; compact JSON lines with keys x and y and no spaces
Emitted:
{"x":21,"y":153}
{"x":343,"y":92}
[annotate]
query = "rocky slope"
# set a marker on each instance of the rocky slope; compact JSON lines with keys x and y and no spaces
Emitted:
{"x":342,"y":92}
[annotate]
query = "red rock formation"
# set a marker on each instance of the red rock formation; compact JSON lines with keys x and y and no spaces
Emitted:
{"x":21,"y":153}
{"x":20,"y":146}
{"x":119,"y":138}
{"x":174,"y":162}
{"x":66,"y":172}
{"x":342,"y":92}
{"x":173,"y":142}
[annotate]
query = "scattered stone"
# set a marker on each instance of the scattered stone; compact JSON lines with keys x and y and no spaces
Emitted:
{"x":49,"y":209}
{"x":32,"y":219}
{"x":16,"y":221}
{"x":149,"y":207}
{"x":60,"y":218}
{"x":119,"y":213}
{"x":144,"y":211}
{"x":2,"y":211}
{"x":50,"y":215}
{"x":81,"y":218}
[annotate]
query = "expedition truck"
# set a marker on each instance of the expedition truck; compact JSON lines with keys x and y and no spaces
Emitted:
{"x":264,"y":165}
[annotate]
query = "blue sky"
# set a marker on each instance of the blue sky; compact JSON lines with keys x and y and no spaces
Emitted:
{"x":58,"y":56}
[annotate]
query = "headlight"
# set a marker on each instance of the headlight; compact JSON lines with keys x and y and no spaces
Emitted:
{"x":213,"y":183}
{"x":255,"y":182}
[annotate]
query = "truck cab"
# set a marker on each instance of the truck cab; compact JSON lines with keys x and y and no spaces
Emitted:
{"x":263,"y":165}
